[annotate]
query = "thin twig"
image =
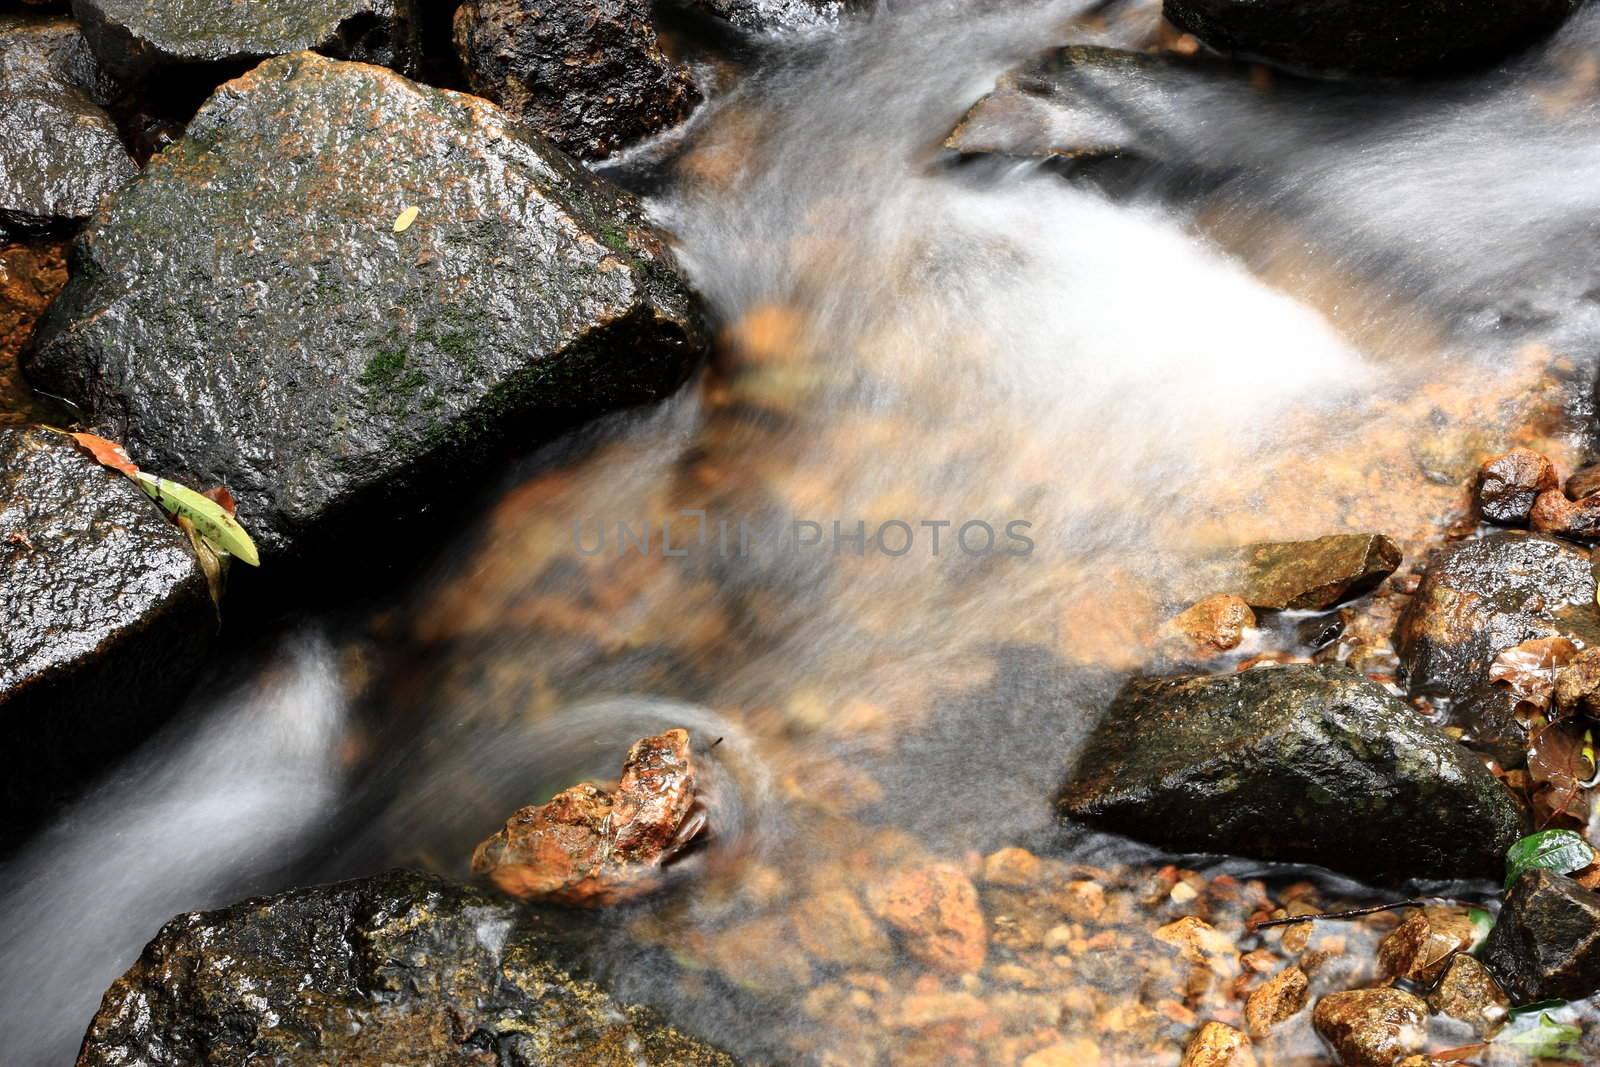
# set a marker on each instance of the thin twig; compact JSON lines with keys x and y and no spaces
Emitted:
{"x":1354,"y":913}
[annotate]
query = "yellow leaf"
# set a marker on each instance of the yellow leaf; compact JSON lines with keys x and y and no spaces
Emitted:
{"x":407,"y":217}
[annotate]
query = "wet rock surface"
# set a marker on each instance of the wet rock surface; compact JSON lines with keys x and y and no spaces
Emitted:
{"x":1371,"y":1027}
{"x":1215,"y":624}
{"x":774,"y":16}
{"x":1481,"y":597}
{"x":62,"y":155}
{"x":107,"y":617}
{"x":1467,"y":992}
{"x":291,"y":345}
{"x":398,"y":968}
{"x":1509,"y":484}
{"x":1311,"y":575}
{"x":936,"y":912}
{"x":1379,"y":37}
{"x":590,"y":76}
{"x":136,"y":39}
{"x":1424,"y":944}
{"x":1218,"y":1045}
{"x":1307,"y":764}
{"x":1546,"y":943}
{"x":590,"y":845}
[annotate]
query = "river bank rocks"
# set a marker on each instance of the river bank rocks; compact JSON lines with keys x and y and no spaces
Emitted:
{"x":261,"y":310}
{"x":136,"y":39}
{"x":107,"y":617}
{"x":1509,"y":484}
{"x":398,"y":968}
{"x":1546,"y":943}
{"x":62,"y":155}
{"x":1370,"y":37}
{"x":590,"y":76}
{"x":1483,"y":596}
{"x":1316,"y":574}
{"x":1301,"y":763}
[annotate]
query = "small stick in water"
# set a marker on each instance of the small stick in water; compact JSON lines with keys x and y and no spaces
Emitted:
{"x":1354,"y":913}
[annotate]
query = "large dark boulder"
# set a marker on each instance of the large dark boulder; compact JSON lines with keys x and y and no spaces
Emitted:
{"x":248,"y":315}
{"x":401,"y":968}
{"x":1303,"y":764}
{"x":107,"y":618}
{"x":589,"y":75}
{"x":1484,"y":596}
{"x":1372,"y":37}
{"x":60,"y":154}
{"x":1546,"y":943}
{"x":135,"y":38}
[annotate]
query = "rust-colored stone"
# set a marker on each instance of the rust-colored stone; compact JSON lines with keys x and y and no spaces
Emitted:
{"x":1420,"y":947}
{"x":31,"y":274}
{"x":1579,"y":520}
{"x":1509,"y":484}
{"x":1218,"y":1045}
{"x":936,"y":911}
{"x":589,"y":846}
{"x":1215,"y":624}
{"x":1371,"y":1027}
{"x":1577,"y":689}
{"x":1279,"y":998}
{"x":1467,"y":992}
{"x":1584,"y":482}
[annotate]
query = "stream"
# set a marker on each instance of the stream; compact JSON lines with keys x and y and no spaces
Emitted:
{"x":1056,"y":384}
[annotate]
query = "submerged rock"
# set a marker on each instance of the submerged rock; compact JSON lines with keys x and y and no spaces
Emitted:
{"x":1303,"y":764}
{"x":401,"y":968}
{"x":935,"y":910}
{"x":1467,"y":992}
{"x":1509,"y":484}
{"x":107,"y":617}
{"x":61,"y":154}
{"x":1312,"y":575}
{"x":1377,"y":37}
{"x":1420,"y":948}
{"x":247,"y":310}
{"x":136,"y":38}
{"x":1218,"y":1045}
{"x":592,"y":846}
{"x":1546,"y":943}
{"x":589,"y":75}
{"x":1371,"y":1027}
{"x":1484,"y":596}
{"x":1278,"y":999}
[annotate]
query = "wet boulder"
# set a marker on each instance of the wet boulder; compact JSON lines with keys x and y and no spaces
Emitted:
{"x":1312,"y":575}
{"x":1302,"y":764}
{"x":261,"y":309}
{"x":1371,"y":1027}
{"x":1484,"y":596}
{"x":1509,"y":484}
{"x":62,"y":155}
{"x":136,"y":39}
{"x":775,"y":16}
{"x":1546,"y":943}
{"x":398,"y":968}
{"x":590,"y":76}
{"x":107,"y":617}
{"x":1468,"y":993}
{"x":1370,"y":37}
{"x":590,"y":845}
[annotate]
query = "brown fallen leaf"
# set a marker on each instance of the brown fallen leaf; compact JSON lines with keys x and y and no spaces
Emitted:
{"x":108,"y":453}
{"x":1529,"y":669}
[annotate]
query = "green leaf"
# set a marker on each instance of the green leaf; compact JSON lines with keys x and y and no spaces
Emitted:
{"x":1562,"y":851}
{"x":209,"y":517}
{"x":1482,"y":923}
{"x":1545,"y":1039}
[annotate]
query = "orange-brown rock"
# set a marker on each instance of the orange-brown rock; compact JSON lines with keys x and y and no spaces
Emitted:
{"x":1584,"y":482}
{"x":1218,"y":1045}
{"x":935,"y":909}
{"x":1579,"y":520}
{"x":1509,"y":484}
{"x":1419,"y":948}
{"x":834,"y":928}
{"x":1577,"y":689}
{"x":1013,"y":868}
{"x":1371,"y":1027}
{"x":1279,"y":998}
{"x":31,"y":274}
{"x":590,"y":846}
{"x":1467,"y":992}
{"x":1215,"y":624}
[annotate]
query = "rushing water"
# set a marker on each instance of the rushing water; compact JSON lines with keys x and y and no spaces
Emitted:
{"x":1306,"y":313}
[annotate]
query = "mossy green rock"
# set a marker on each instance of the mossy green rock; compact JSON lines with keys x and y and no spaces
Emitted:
{"x":401,"y":968}
{"x":136,"y":38}
{"x":245,"y":314}
{"x":1300,"y":764}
